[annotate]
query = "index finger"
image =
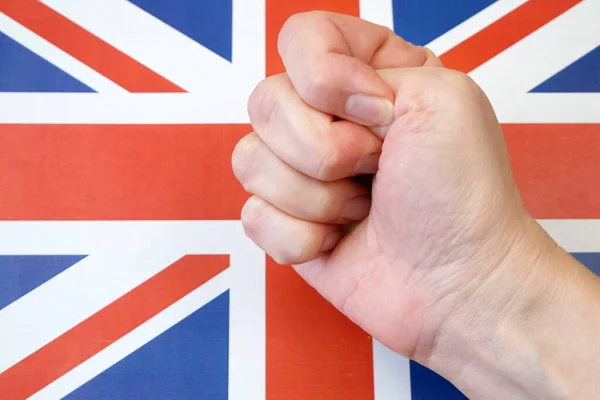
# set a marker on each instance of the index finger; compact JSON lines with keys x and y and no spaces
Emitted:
{"x":332,"y":59}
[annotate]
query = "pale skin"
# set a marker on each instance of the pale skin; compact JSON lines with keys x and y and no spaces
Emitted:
{"x":440,"y":260}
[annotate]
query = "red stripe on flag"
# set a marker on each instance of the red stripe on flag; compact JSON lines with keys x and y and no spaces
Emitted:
{"x":313,"y":352}
{"x":119,"y":172}
{"x":86,"y":47}
{"x":178,"y":172}
{"x":556,"y":167}
{"x":109,"y":325}
{"x":503,"y":33}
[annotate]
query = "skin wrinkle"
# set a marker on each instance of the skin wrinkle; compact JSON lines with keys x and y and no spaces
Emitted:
{"x":477,"y":289}
{"x":527,"y":307}
{"x":368,"y":274}
{"x":378,"y":44}
{"x":267,"y":98}
{"x":347,"y":50}
{"x":328,"y":161}
{"x":463,"y":293}
{"x":367,"y":58}
{"x":378,"y":48}
{"x":313,"y":80}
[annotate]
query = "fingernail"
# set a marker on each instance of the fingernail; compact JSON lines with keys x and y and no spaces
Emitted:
{"x":368,"y":164}
{"x":331,"y":240}
{"x":372,"y":110}
{"x":358,"y":208}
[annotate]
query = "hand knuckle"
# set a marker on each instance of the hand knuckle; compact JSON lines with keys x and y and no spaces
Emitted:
{"x":251,"y":217}
{"x":299,"y":21}
{"x":243,"y":158}
{"x":329,"y":162}
{"x":295,"y":253}
{"x":459,"y":84}
{"x":316,"y":84}
{"x":290,"y":28}
{"x":263,"y":104}
{"x":282,"y":257}
{"x":431,"y":59}
{"x":326,"y":204}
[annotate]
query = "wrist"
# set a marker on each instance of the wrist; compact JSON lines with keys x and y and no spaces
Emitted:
{"x":505,"y":335}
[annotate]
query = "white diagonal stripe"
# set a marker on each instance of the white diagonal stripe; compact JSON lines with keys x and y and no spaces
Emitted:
{"x":53,"y":308}
{"x":245,"y":280}
{"x":58,"y":57}
{"x":543,"y":53}
{"x":169,"y":52}
{"x":135,"y":339}
{"x":471,"y":26}
{"x":381,"y":12}
{"x":122,"y":256}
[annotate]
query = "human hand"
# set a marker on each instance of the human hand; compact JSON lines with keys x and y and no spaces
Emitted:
{"x":437,"y":237}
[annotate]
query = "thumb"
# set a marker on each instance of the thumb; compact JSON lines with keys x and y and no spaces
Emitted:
{"x":427,"y":89}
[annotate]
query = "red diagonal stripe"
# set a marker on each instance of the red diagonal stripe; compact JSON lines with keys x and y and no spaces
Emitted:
{"x":86,"y":47}
{"x":108,"y":325}
{"x":503,"y":33}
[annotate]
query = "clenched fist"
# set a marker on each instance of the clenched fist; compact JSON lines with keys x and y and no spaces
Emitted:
{"x":441,"y":241}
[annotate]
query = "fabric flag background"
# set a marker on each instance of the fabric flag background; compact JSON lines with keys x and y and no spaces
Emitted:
{"x":124,"y":271}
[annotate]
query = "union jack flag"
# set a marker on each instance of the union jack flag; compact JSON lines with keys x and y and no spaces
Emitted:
{"x":124,"y":271}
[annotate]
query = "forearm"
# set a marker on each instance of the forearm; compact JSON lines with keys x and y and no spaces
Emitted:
{"x":531,"y":343}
